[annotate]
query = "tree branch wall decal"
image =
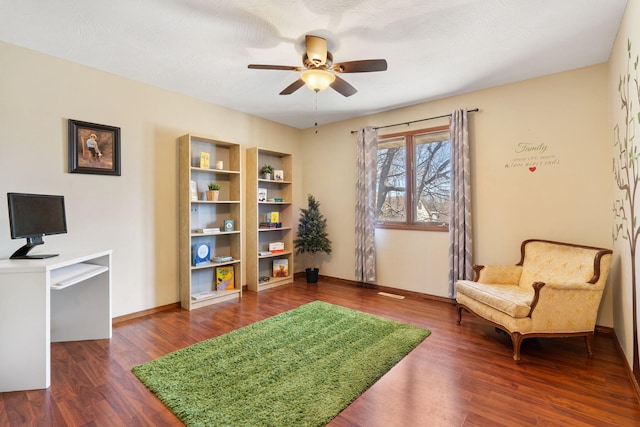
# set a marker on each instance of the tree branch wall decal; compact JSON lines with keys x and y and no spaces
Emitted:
{"x":626,"y":170}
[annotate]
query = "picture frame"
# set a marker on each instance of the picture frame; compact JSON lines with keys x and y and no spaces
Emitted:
{"x":94,"y":148}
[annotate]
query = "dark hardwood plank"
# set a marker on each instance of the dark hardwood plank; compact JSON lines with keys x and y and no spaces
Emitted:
{"x":462,"y":375}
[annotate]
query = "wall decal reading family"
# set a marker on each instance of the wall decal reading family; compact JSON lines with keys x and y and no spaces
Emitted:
{"x":532,"y":157}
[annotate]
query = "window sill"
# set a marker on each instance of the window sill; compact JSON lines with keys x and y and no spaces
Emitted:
{"x":413,"y":227}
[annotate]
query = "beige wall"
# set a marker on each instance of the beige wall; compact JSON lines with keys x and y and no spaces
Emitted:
{"x":568,"y":201}
{"x":618,"y":67}
{"x":134,"y":214}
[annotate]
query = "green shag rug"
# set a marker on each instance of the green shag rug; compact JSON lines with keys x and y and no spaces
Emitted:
{"x":299,"y":368}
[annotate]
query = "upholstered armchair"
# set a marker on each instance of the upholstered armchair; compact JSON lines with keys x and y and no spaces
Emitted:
{"x":554,"y":291}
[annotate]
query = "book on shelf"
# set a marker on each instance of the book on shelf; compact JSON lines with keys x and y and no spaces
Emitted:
{"x":264,"y":253}
{"x":280,"y":268}
{"x":278,"y":175}
{"x":203,"y":295}
{"x":224,"y":278}
{"x":200,"y":254}
{"x":275,"y":216}
{"x":193,"y":189}
{"x":222,"y":258}
{"x":210,"y":230}
{"x":276,"y":247}
{"x":270,"y":225}
{"x":262,"y":194}
{"x":204,"y":160}
{"x":229,"y":225}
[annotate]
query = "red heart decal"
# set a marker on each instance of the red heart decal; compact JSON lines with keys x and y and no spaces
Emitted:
{"x":532,"y":168}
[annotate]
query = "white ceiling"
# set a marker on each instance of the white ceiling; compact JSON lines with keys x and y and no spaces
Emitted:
{"x":434,"y":48}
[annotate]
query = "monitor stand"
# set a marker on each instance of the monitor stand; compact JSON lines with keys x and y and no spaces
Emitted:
{"x":31,"y":243}
{"x":35,"y":256}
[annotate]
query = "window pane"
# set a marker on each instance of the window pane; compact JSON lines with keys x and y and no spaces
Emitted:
{"x":391,"y":182}
{"x":432,"y":178}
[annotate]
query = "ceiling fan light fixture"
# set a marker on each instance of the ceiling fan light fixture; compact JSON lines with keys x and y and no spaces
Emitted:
{"x":317,"y":80}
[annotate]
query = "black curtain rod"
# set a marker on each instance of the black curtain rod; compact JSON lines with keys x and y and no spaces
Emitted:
{"x":475,"y":110}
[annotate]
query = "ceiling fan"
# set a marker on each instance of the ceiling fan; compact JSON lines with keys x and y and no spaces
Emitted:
{"x":318,"y":64}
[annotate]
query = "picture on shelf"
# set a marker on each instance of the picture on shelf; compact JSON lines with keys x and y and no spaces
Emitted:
{"x":204,"y":160}
{"x":224,"y":278}
{"x":262,"y":194}
{"x":200,"y":254}
{"x":280,"y":268}
{"x":278,"y":175}
{"x":229,"y":225}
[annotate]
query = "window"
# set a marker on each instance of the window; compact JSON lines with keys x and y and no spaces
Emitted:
{"x":414,"y":180}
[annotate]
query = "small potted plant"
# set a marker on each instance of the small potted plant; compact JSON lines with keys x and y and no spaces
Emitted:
{"x":214,"y":191}
{"x":312,"y":236}
{"x":266,"y":171}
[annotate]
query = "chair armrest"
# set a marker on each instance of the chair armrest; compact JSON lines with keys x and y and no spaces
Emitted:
{"x":551,"y":300}
{"x":498,"y":274}
{"x":583,"y":286}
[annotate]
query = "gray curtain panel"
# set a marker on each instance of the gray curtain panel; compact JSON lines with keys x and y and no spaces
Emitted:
{"x":366,"y":169}
{"x":460,"y":241}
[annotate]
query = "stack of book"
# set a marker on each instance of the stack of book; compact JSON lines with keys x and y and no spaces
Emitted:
{"x":223,"y":258}
{"x":202,"y":295}
{"x":276,"y":247}
{"x":208,"y":230}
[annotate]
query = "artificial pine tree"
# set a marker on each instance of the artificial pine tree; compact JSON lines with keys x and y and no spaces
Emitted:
{"x":312,"y":235}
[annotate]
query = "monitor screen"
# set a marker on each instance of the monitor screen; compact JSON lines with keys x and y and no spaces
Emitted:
{"x":33,"y":215}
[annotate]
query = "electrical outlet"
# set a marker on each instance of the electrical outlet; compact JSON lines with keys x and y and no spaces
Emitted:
{"x":194,"y":209}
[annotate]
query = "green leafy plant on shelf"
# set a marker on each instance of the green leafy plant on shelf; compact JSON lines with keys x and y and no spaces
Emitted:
{"x":213,"y":186}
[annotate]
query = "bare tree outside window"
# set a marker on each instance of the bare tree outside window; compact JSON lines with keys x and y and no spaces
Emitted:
{"x":413,"y":179}
{"x":433,"y":178}
{"x":391,"y":181}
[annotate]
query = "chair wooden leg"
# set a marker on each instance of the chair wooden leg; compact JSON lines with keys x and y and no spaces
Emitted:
{"x":589,"y":340}
{"x":459,"y":308}
{"x":516,"y":339}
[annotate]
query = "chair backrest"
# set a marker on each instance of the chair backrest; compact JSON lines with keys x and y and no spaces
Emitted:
{"x":556,"y":262}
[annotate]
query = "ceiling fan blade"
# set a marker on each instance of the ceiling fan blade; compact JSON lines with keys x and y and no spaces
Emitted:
{"x":342,"y":87}
{"x":274,"y":67}
{"x":363,"y":66}
{"x":316,"y":50}
{"x":293,"y":87}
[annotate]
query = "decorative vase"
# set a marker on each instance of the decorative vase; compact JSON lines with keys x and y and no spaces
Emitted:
{"x":266,"y":176}
{"x":312,"y":275}
{"x":212,"y":195}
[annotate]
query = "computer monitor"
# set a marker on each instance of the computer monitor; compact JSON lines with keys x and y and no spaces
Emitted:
{"x":33,"y":216}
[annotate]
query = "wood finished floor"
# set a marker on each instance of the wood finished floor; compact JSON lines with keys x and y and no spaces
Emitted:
{"x":459,"y":376}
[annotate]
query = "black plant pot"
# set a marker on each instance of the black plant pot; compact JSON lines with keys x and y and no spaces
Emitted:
{"x":312,"y":275}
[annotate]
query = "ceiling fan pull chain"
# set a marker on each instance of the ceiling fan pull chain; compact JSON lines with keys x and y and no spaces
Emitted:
{"x":316,"y":112}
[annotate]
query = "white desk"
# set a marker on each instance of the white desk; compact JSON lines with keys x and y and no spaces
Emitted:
{"x":64,"y":298}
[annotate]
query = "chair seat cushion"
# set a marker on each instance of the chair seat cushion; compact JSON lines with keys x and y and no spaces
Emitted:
{"x":510,"y":299}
